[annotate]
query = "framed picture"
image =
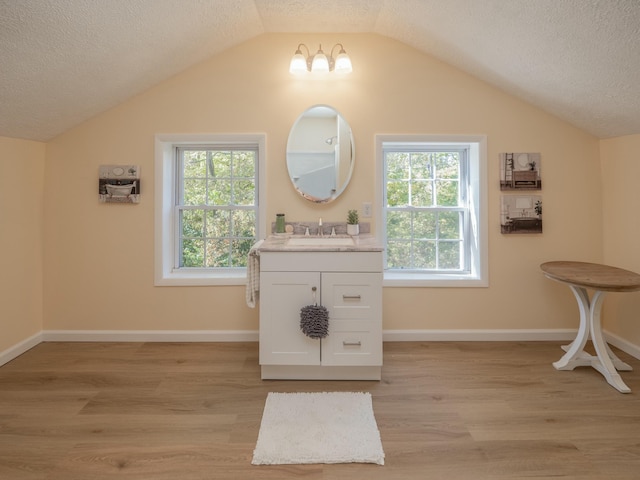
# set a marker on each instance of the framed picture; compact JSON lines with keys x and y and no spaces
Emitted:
{"x":520,"y":171}
{"x":119,"y":184}
{"x":521,"y":214}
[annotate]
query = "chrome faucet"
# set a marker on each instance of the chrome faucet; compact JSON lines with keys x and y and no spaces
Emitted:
{"x":320,"y":232}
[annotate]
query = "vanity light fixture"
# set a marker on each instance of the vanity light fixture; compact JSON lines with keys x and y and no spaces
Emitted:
{"x":320,"y":62}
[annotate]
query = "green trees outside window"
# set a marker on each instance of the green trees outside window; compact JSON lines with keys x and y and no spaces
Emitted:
{"x":217,"y":206}
{"x":425,"y":209}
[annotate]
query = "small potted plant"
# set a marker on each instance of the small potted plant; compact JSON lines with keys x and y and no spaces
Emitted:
{"x":353,"y":227}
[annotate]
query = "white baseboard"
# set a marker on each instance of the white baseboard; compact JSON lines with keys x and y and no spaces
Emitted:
{"x":150,"y":336}
{"x":531,"y":335}
{"x":17,"y":350}
{"x":480,"y":335}
{"x":622,"y":344}
{"x":252,"y":335}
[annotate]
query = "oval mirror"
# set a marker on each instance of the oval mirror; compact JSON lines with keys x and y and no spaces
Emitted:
{"x":320,"y":154}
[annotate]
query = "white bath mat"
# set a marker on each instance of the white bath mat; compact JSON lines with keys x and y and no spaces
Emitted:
{"x":318,"y":428}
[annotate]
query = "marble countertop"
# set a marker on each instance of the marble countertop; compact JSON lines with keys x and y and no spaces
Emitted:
{"x":279,"y":243}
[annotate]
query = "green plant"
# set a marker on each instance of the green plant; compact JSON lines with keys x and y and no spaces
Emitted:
{"x":352,"y":217}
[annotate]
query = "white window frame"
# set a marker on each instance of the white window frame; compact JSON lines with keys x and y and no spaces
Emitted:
{"x":478,"y":239}
{"x":166,"y":236}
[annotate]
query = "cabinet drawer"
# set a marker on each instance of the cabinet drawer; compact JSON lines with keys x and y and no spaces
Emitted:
{"x":352,"y":295}
{"x":351,"y":343}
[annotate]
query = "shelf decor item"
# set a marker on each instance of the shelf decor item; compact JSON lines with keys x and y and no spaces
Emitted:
{"x":353,"y":226}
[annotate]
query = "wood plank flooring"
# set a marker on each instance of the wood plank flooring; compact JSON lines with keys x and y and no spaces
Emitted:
{"x":183,"y":411}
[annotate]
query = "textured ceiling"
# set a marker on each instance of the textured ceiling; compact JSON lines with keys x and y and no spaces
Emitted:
{"x":64,"y":61}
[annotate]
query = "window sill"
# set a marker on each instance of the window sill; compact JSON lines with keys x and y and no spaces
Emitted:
{"x":399,"y":279}
{"x":180,"y":278}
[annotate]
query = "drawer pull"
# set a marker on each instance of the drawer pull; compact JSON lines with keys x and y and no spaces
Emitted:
{"x":351,"y":297}
{"x":351,"y":343}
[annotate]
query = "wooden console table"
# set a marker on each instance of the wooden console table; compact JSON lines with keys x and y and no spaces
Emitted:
{"x":580,"y":276}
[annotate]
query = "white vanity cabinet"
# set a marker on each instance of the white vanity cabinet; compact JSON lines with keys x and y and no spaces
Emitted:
{"x":349,"y":285}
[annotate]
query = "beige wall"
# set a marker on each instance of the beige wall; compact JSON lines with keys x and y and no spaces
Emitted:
{"x":621,"y":227}
{"x":21,"y":239}
{"x":99,"y":257}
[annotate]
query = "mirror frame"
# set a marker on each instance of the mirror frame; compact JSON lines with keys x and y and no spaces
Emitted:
{"x":292,"y":151}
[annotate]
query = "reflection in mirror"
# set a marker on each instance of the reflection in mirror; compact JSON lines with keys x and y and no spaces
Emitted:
{"x":320,"y":154}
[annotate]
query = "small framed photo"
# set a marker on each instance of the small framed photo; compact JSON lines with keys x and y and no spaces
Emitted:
{"x":119,"y":184}
{"x":521,"y":214}
{"x":520,"y":171}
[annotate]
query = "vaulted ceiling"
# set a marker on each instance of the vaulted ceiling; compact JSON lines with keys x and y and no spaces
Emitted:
{"x":64,"y":61}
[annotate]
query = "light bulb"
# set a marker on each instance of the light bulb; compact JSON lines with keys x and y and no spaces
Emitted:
{"x":298,"y":64}
{"x":343,"y":63}
{"x":320,"y":63}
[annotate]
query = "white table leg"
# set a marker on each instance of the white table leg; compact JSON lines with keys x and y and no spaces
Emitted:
{"x":619,"y":364}
{"x":571,"y":359}
{"x":605,"y":361}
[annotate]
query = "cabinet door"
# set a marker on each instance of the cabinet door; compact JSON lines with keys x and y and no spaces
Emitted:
{"x":354,"y":301}
{"x":282,"y":295}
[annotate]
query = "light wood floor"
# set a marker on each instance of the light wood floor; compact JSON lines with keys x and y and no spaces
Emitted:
{"x":158,"y":411}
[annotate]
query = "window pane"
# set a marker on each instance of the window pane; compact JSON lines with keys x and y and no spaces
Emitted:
{"x":398,"y":224}
{"x":244,"y":224}
{"x":449,"y":255}
{"x":222,"y":179}
{"x":194,"y":164}
{"x":447,"y":193}
{"x":397,"y":165}
{"x":422,"y":193}
{"x":424,"y":254}
{"x":424,"y":225}
{"x":220,"y":165}
{"x":218,"y":223}
{"x":449,"y":225}
{"x":192,"y":223}
{"x":218,"y":253}
{"x":240,"y":251}
{"x":192,"y":253}
{"x":420,"y":186}
{"x":447,"y":165}
{"x":244,"y":164}
{"x":398,"y":254}
{"x":421,"y":166}
{"x":397,"y":194}
{"x":244,"y":192}
{"x":219,"y":192}
{"x":195,"y":191}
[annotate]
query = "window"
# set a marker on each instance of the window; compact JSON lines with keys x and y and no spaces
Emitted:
{"x":433,"y":216}
{"x":209,"y":208}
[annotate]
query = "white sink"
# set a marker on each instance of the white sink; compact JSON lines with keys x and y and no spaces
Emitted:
{"x":321,"y":241}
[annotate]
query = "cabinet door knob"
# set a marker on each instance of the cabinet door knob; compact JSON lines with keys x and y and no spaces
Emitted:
{"x":351,"y":343}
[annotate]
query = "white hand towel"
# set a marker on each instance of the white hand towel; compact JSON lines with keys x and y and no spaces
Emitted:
{"x":253,"y":275}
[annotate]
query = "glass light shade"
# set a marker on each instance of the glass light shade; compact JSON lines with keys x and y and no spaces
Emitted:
{"x":320,"y":63}
{"x":298,"y":64}
{"x":343,"y":63}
